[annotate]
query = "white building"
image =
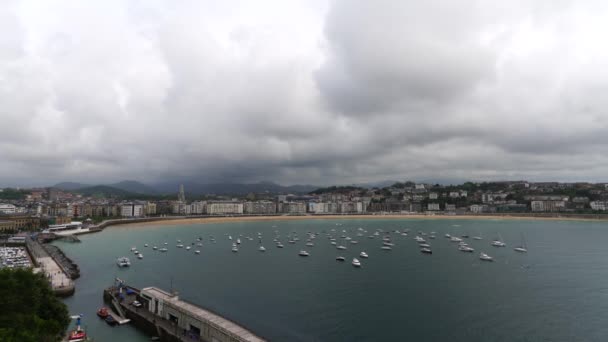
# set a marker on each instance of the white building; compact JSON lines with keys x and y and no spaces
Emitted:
{"x":433,"y":206}
{"x":223,"y":208}
{"x":132,"y":210}
{"x":7,"y":209}
{"x":433,"y":195}
{"x":599,"y":205}
{"x":198,"y":207}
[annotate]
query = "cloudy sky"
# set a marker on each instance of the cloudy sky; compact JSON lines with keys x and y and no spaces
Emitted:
{"x":302,"y":91}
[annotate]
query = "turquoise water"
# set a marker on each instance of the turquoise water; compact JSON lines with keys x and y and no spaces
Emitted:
{"x":558,"y":291}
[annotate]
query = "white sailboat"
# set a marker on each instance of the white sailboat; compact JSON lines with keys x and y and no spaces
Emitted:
{"x":522,"y":248}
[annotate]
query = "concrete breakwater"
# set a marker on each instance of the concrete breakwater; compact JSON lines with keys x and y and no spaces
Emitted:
{"x":66,"y":264}
{"x":164,"y":315}
{"x":58,"y":278}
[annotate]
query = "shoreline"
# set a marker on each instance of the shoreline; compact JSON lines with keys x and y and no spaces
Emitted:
{"x":227,"y":219}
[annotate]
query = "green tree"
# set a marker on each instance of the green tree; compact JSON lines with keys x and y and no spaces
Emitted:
{"x":29,"y":309}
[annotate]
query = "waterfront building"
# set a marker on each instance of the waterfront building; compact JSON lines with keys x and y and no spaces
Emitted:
{"x":599,"y":205}
{"x":433,"y":207}
{"x":132,"y":210}
{"x":224,"y":208}
{"x":198,"y":208}
{"x":150,"y":208}
{"x":292,"y":208}
{"x":479,"y":208}
{"x":450,"y":207}
{"x":19,"y":222}
{"x":260,"y":207}
{"x":547,"y":206}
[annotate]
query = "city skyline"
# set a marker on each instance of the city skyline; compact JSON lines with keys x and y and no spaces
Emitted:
{"x":302,"y":92}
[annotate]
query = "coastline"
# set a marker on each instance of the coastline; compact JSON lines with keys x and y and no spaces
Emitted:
{"x":226,"y":219}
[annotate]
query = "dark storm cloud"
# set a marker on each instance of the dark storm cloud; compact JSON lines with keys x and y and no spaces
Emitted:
{"x":302,"y":91}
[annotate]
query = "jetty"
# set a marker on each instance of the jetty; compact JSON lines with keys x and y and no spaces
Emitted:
{"x":164,"y":315}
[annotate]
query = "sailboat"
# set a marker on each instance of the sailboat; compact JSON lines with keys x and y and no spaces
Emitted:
{"x":523,"y":248}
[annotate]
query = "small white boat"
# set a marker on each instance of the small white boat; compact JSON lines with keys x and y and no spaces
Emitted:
{"x":477,"y":238}
{"x":341,"y":247}
{"x":179,"y":246}
{"x":387,"y":248}
{"x":310,"y":244}
{"x":363,"y":255}
{"x":179,"y":241}
{"x":498,"y":243}
{"x":466,"y":249}
{"x":455,"y":239}
{"x":197,"y":252}
{"x":123,"y":262}
{"x":188,"y":248}
{"x":448,"y":236}
{"x":262,"y":249}
{"x":483,"y":256}
{"x":424,"y":245}
{"x":145,"y":245}
{"x":229,"y":237}
{"x":140,"y":256}
{"x":426,"y":251}
{"x":280,"y":245}
{"x":340,"y":258}
{"x":356,"y":262}
{"x":166,"y":243}
{"x":291,"y":241}
{"x":303,"y":253}
{"x":163,"y":249}
{"x":334,"y":243}
{"x":235,"y":249}
{"x":388,"y":243}
{"x":354,"y":242}
{"x":133,"y":249}
{"x":200,"y":244}
{"x":521,"y":248}
{"x":238,"y":241}
{"x":154,"y":248}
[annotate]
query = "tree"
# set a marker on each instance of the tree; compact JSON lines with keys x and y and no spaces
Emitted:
{"x":30,"y":311}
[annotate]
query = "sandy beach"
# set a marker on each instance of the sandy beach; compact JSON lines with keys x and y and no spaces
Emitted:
{"x":207,"y":220}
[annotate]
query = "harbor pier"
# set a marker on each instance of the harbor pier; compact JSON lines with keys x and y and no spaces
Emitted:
{"x":165,"y":315}
{"x":61,"y":283}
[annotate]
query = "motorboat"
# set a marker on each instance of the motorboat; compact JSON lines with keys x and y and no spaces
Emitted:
{"x":341,"y":247}
{"x":426,"y":251}
{"x":424,"y":245}
{"x":188,"y":248}
{"x":448,"y":236}
{"x":235,"y":249}
{"x":262,"y":249}
{"x":140,"y":256}
{"x":133,"y":249}
{"x":334,"y":243}
{"x":466,"y":249}
{"x":388,"y":243}
{"x":163,"y":249}
{"x":197,"y":252}
{"x":103,"y":312}
{"x":340,"y":258}
{"x":455,"y":239}
{"x":484,"y":257}
{"x":280,"y":245}
{"x":111,"y":321}
{"x":78,"y":334}
{"x":179,"y":246}
{"x":356,"y":262}
{"x":238,"y":241}
{"x":386,"y":248}
{"x":146,"y":245}
{"x":303,"y":253}
{"x":477,"y":238}
{"x":123,"y":262}
{"x":136,"y":252}
{"x":291,"y":241}
{"x":310,"y":244}
{"x":363,"y":255}
{"x":354,"y":242}
{"x":154,"y":248}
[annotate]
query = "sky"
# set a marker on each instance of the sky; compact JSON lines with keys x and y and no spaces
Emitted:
{"x":302,"y":91}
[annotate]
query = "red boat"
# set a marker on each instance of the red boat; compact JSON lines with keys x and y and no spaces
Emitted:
{"x":103,"y":312}
{"x":78,"y":334}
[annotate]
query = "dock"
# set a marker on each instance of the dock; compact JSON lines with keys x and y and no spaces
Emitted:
{"x":171,"y":319}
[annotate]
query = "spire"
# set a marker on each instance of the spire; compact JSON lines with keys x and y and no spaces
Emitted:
{"x":181,"y":197}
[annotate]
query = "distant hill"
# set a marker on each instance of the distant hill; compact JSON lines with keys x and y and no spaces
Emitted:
{"x":135,"y":187}
{"x":69,"y":186}
{"x":233,"y":188}
{"x":104,"y":191}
